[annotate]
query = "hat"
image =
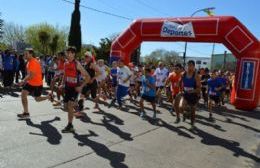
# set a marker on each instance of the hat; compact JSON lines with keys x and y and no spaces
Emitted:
{"x":88,"y":54}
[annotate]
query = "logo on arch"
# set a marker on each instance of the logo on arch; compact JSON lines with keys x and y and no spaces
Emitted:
{"x":172,"y":29}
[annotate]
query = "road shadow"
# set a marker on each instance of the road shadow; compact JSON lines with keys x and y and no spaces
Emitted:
{"x":233,"y":146}
{"x":115,"y":159}
{"x":49,"y":131}
{"x":230,"y":121}
{"x":110,"y":116}
{"x":106,"y":123}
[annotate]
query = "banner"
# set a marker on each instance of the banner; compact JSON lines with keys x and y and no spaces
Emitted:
{"x":172,"y":29}
{"x":247,"y":78}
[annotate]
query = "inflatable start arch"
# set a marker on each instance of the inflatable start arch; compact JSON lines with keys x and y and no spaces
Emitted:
{"x":218,"y":29}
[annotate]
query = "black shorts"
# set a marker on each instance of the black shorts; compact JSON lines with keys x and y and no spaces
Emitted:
{"x":215,"y":98}
{"x":35,"y":91}
{"x":70,"y":94}
{"x":92,"y":88}
{"x":150,"y":99}
{"x":159,"y":87}
{"x":191,"y":98}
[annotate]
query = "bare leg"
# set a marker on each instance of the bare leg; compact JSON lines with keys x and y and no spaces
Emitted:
{"x":25,"y":101}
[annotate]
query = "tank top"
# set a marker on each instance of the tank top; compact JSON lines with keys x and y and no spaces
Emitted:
{"x":71,"y":74}
{"x":90,"y":71}
{"x":189,"y":84}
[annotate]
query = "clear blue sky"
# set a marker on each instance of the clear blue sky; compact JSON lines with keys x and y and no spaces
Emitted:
{"x":96,"y":25}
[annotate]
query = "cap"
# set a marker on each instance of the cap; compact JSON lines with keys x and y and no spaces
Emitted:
{"x":88,"y":54}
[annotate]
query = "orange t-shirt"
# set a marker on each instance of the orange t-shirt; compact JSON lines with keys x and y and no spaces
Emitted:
{"x":34,"y":66}
{"x":174,"y":78}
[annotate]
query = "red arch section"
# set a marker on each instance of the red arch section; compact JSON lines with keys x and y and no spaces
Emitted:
{"x":218,"y":29}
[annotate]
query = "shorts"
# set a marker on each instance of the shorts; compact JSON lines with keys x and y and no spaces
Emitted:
{"x":70,"y":94}
{"x":35,"y":91}
{"x":191,"y":98}
{"x":92,"y":88}
{"x":132,"y":85}
{"x":150,"y":99}
{"x":215,"y":98}
{"x":159,"y":87}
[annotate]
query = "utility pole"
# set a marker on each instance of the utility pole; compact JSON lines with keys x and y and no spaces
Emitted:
{"x":224,"y":63}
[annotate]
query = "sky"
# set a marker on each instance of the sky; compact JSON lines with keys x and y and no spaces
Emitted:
{"x":95,"y":26}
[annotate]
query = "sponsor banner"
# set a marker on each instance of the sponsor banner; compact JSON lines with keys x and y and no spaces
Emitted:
{"x":247,"y":78}
{"x":172,"y":29}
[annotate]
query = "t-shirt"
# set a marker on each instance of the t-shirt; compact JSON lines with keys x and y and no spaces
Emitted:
{"x":175,"y":79}
{"x":113,"y":73}
{"x":223,"y":81}
{"x":34,"y":66}
{"x":122,"y":74}
{"x":147,"y":90}
{"x":8,"y":62}
{"x":213,"y":84}
{"x":161,"y":75}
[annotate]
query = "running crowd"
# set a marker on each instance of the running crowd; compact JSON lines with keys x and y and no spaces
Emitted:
{"x":72,"y":81}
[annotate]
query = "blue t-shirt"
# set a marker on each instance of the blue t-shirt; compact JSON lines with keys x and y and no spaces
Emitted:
{"x":213,"y":84}
{"x":9,"y":62}
{"x":113,"y":72}
{"x":147,"y":90}
{"x":223,"y":82}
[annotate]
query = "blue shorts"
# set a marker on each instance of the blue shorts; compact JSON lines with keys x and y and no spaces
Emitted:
{"x":150,"y":99}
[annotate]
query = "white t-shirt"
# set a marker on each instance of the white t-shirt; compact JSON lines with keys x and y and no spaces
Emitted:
{"x":103,"y":74}
{"x":161,"y":75}
{"x":122,"y":74}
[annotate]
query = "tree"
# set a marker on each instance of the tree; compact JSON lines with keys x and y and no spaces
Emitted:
{"x":44,"y":38}
{"x":32,"y":38}
{"x":12,"y":34}
{"x":167,"y":57}
{"x":135,"y":56}
{"x":54,"y":44}
{"x":75,"y":29}
{"x":103,"y":51}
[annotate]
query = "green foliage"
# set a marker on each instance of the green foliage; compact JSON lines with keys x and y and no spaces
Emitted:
{"x":45,"y":38}
{"x":161,"y":55}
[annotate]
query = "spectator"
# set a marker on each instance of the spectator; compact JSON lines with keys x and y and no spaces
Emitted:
{"x":8,"y":74}
{"x":22,"y":66}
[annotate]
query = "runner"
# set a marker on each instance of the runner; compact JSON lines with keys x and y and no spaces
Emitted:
{"x":58,"y":74}
{"x":32,"y":83}
{"x":124,"y":74}
{"x":70,"y":81}
{"x":148,"y":92}
{"x":113,"y":74}
{"x":161,"y":74}
{"x":191,"y":87}
{"x":175,"y":78}
{"x":204,"y":83}
{"x":92,"y":86}
{"x":214,"y":89}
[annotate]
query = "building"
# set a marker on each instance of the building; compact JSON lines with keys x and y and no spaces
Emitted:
{"x":223,"y":61}
{"x":200,"y":62}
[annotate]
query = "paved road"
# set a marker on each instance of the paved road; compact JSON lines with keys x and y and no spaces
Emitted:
{"x":111,"y":138}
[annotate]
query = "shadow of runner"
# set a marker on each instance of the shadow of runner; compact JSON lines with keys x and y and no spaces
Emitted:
{"x":230,"y":121}
{"x":116,"y":159}
{"x":123,"y":135}
{"x":112,"y":117}
{"x":162,"y":123}
{"x":212,"y":140}
{"x":106,"y":123}
{"x":52,"y":134}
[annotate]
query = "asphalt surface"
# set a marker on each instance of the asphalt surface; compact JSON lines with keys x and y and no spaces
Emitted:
{"x":112,"y":138}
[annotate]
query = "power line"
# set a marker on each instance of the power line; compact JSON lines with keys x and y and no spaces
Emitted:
{"x":101,"y":11}
{"x":147,"y":5}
